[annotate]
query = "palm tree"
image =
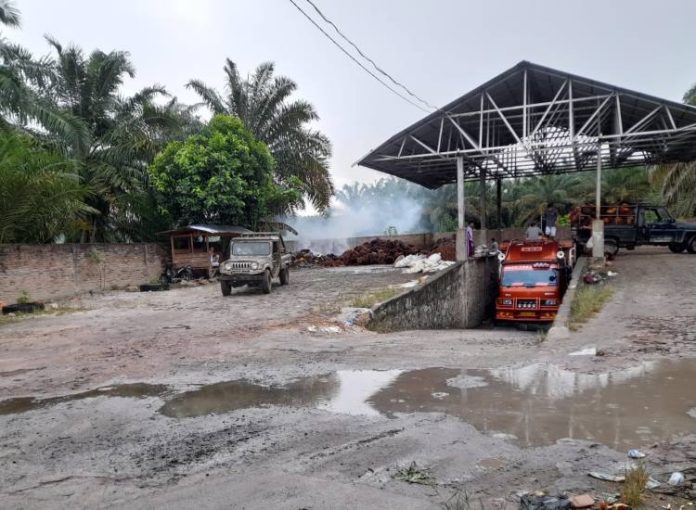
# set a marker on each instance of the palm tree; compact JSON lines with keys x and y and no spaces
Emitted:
{"x":124,"y":133}
{"x":263,"y":103}
{"x":677,"y":182}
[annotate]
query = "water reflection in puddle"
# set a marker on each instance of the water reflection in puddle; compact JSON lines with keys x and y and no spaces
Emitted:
{"x":135,"y":390}
{"x":535,"y":405}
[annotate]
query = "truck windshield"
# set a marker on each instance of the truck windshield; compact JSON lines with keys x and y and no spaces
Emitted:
{"x":253,"y":248}
{"x":530,"y":277}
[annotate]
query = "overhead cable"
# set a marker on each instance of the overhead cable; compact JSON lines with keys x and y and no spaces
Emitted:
{"x":338,"y":45}
{"x":362,"y":54}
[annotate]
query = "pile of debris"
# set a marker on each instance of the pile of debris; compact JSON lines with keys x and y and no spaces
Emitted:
{"x":422,"y":264}
{"x":446,"y":247}
{"x":377,"y":251}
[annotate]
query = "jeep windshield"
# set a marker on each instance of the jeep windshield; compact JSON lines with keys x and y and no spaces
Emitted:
{"x":514,"y":277}
{"x":251,"y":248}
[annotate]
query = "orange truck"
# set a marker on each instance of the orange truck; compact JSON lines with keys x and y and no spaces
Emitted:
{"x":534,"y":275}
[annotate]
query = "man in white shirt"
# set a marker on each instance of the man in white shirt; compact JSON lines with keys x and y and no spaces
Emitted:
{"x":534,"y":233}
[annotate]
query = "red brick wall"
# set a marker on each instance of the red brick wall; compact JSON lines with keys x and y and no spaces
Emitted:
{"x":54,"y":271}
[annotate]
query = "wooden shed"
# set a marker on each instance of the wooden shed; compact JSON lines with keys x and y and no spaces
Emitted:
{"x":191,"y":245}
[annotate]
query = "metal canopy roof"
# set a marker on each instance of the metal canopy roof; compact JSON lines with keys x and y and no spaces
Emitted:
{"x":534,"y":120}
{"x":215,"y":230}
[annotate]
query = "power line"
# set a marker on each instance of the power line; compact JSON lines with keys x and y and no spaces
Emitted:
{"x":374,"y":64}
{"x":356,"y":60}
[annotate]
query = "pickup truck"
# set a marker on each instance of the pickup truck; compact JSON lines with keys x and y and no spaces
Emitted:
{"x":629,"y":225}
{"x":255,"y":259}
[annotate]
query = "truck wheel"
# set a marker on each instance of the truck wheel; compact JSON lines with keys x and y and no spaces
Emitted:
{"x":285,"y":275}
{"x":691,"y":244}
{"x":266,"y":282}
{"x":611,"y":247}
{"x":225,"y":287}
{"x":676,"y":247}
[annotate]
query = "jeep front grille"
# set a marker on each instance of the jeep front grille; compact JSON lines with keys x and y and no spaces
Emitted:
{"x":239,"y":265}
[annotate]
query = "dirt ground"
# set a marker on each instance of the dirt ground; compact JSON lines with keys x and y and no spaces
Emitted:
{"x":81,"y":395}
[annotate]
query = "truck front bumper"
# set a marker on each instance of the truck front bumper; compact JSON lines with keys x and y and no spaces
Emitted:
{"x":525,"y":315}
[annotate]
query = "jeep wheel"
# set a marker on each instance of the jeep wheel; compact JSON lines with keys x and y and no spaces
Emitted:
{"x":225,"y":287}
{"x":676,"y":247}
{"x":266,"y":282}
{"x":691,"y":244}
{"x":285,"y":275}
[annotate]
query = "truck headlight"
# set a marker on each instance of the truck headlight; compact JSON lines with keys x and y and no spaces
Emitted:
{"x":549,"y":302}
{"x":254,"y":265}
{"x":507,"y":302}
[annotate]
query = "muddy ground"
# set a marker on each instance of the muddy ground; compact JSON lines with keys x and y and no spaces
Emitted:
{"x":108,"y":406}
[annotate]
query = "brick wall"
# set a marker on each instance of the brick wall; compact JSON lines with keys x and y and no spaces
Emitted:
{"x":54,"y":271}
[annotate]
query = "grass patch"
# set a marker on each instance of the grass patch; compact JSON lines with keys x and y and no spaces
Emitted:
{"x":61,"y":310}
{"x":414,"y":474}
{"x":372,"y":298}
{"x":588,"y":301}
{"x":634,"y":486}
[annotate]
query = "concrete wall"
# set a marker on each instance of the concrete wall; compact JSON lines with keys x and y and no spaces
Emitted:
{"x":54,"y":271}
{"x":459,"y":297}
{"x":338,"y":246}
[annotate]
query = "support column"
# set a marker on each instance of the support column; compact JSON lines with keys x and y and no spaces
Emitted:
{"x":461,"y":217}
{"x":499,"y":206}
{"x":483,"y":237}
{"x":598,"y":224}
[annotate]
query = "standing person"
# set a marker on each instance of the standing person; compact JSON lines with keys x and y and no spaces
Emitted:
{"x":470,"y":239}
{"x":214,"y":263}
{"x":550,"y":217}
{"x":534,"y":233}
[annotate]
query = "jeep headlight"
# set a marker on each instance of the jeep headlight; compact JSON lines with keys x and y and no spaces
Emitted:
{"x":254,"y":265}
{"x":227,"y":266}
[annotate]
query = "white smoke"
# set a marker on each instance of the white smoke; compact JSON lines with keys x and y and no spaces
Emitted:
{"x":395,"y":213}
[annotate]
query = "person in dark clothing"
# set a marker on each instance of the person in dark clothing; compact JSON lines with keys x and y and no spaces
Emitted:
{"x":550,"y":218}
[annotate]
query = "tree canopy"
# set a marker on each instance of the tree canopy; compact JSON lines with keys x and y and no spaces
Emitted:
{"x":221,"y":175}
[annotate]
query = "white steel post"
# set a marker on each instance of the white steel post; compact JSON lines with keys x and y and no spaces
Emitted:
{"x":461,"y":242}
{"x":598,"y":224}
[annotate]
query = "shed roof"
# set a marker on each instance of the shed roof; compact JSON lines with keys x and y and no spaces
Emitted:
{"x":535,"y":120}
{"x":208,"y":229}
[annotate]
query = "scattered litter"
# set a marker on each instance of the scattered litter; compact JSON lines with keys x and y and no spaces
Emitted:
{"x":676,"y":478}
{"x":323,"y":329}
{"x":422,"y":264}
{"x":588,"y":351}
{"x":414,"y":474}
{"x":635,"y":454}
{"x":581,"y":501}
{"x":354,"y":316}
{"x":612,"y":273}
{"x":439,"y":395}
{"x":652,"y":484}
{"x":535,"y":502}
{"x":606,"y":477}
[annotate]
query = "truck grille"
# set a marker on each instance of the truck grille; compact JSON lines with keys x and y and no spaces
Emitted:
{"x":526,"y":303}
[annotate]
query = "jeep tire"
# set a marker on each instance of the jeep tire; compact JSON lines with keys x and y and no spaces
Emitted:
{"x":225,"y":287}
{"x":676,"y":247}
{"x":266,"y":282}
{"x":285,"y":275}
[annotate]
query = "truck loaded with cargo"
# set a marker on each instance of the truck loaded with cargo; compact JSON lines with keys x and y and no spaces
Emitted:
{"x":631,"y":225}
{"x":534,"y":275}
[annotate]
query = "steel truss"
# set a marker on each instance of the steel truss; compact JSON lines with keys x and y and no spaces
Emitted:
{"x":533,"y":120}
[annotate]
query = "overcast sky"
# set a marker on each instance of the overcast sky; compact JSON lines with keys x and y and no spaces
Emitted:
{"x":439,"y":49}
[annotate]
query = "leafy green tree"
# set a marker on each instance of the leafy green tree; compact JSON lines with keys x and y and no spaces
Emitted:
{"x":263,"y":103}
{"x":221,"y":175}
{"x":41,"y":195}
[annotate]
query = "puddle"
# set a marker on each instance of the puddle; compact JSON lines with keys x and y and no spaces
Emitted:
{"x":135,"y":390}
{"x":229,"y":396}
{"x":531,"y":406}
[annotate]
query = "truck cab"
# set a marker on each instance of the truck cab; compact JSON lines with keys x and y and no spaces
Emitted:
{"x":534,"y":276}
{"x":255,"y":260}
